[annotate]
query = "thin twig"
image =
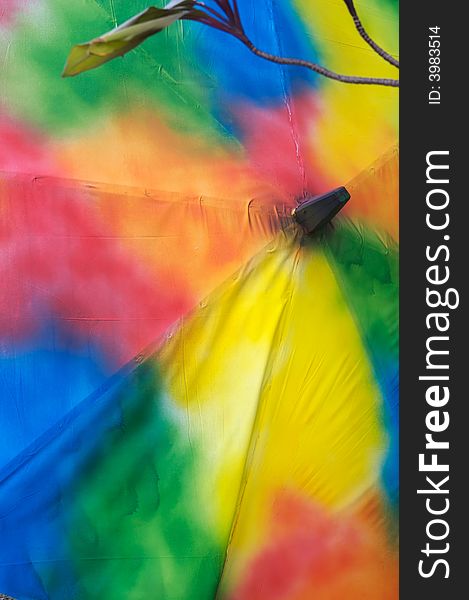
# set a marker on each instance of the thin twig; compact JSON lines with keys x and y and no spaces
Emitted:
{"x":321,"y":70}
{"x":212,"y":12}
{"x":361,"y":30}
{"x":226,"y":8}
{"x":236,"y":13}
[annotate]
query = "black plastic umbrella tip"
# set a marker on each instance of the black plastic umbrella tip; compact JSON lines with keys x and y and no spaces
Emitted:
{"x":314,"y":213}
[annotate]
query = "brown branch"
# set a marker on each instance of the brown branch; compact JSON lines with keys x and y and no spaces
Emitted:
{"x":321,"y":70}
{"x":361,"y":30}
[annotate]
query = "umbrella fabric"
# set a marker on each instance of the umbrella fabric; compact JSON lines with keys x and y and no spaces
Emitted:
{"x":191,"y":114}
{"x":92,"y":274}
{"x":252,"y":452}
{"x":192,"y":110}
{"x":252,"y":455}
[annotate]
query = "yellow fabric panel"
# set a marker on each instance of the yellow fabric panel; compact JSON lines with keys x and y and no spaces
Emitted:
{"x":341,"y":139}
{"x":318,"y":428}
{"x":275,"y":394}
{"x":214,"y":368}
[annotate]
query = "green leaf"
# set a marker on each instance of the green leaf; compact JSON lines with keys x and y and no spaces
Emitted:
{"x":124,"y":38}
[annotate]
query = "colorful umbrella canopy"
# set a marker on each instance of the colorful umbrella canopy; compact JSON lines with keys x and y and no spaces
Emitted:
{"x":252,"y":453}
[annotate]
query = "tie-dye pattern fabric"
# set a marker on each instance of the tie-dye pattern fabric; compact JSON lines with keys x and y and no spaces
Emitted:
{"x":197,"y":402}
